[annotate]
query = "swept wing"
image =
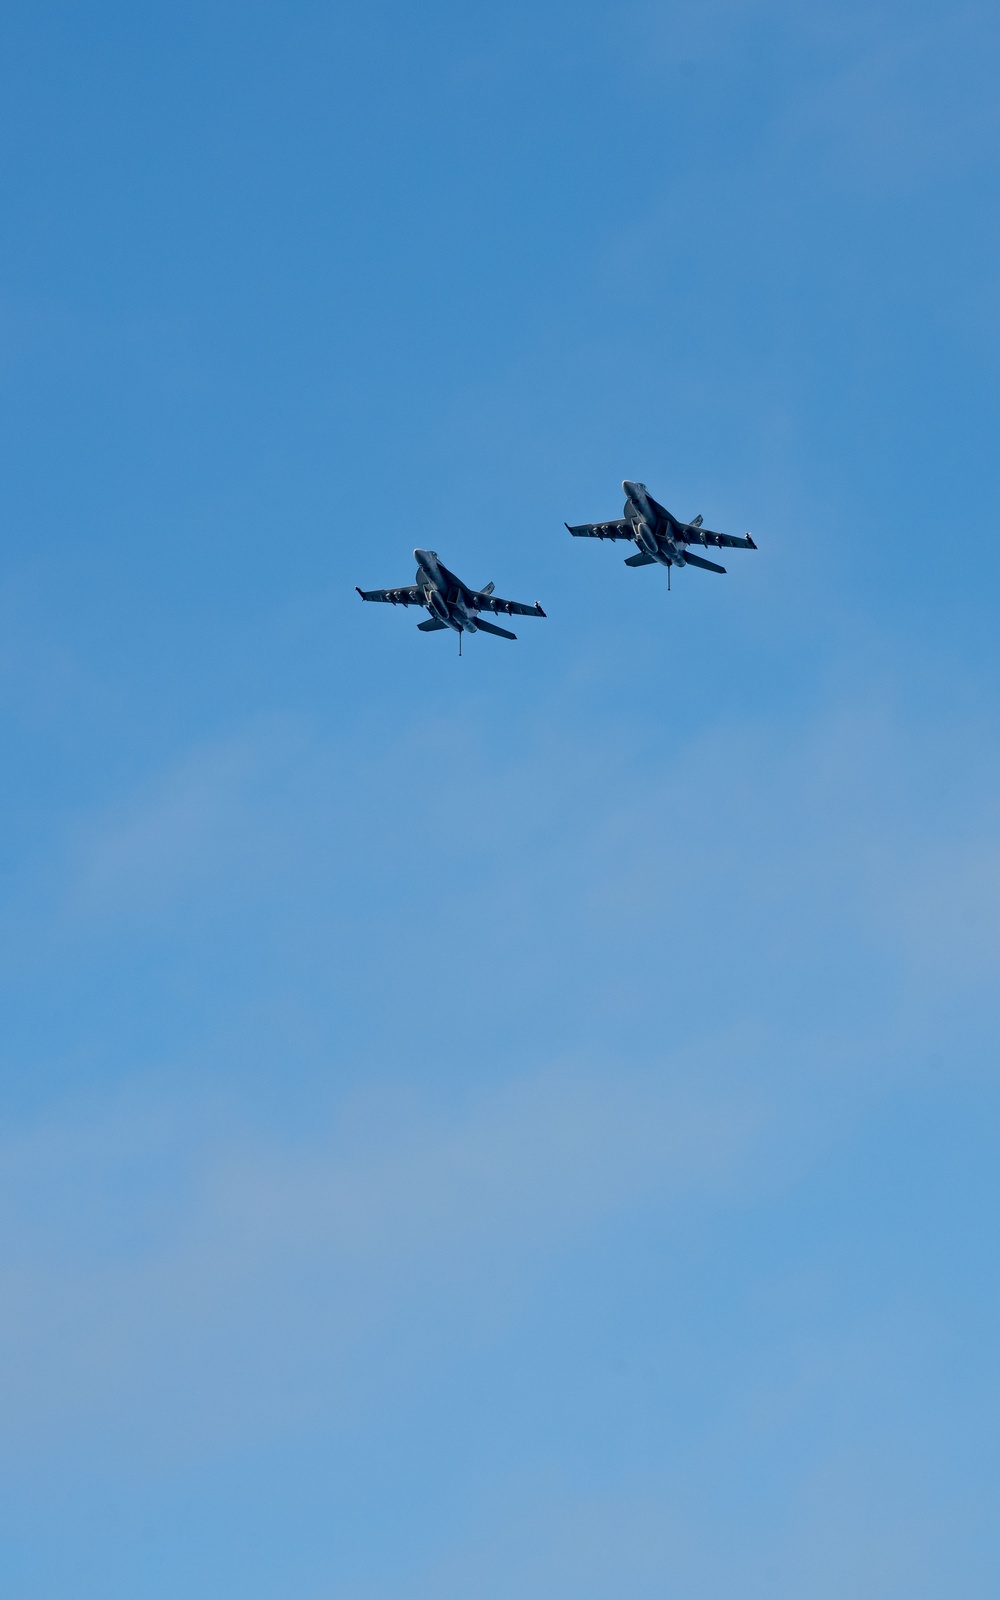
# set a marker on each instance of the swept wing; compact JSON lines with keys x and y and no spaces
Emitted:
{"x":602,"y":530}
{"x":693,"y":535}
{"x":409,"y":595}
{"x":510,"y":608}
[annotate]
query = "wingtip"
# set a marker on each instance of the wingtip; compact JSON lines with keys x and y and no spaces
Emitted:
{"x":539,"y":610}
{"x":359,"y":591}
{"x":750,"y":541}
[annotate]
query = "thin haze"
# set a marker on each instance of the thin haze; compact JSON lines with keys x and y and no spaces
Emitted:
{"x":524,"y":1125}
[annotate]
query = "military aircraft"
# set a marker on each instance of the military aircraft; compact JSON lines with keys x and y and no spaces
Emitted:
{"x":659,"y":534}
{"x":451,"y":603}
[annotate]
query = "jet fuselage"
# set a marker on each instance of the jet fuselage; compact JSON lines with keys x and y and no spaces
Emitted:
{"x":652,"y":525}
{"x":445,"y":595}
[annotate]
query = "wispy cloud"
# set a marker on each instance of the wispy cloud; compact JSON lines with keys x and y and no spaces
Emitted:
{"x":182,"y":1287}
{"x":756,"y":921}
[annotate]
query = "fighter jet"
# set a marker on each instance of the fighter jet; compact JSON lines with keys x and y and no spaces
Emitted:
{"x":451,"y":603}
{"x":659,"y":534}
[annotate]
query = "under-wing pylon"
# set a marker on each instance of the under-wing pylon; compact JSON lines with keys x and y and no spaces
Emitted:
{"x":452,"y":603}
{"x":662,"y":538}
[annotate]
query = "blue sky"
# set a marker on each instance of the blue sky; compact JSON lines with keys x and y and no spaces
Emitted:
{"x":524,"y":1125}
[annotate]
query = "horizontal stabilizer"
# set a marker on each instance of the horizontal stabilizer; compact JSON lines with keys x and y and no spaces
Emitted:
{"x":487,"y":588}
{"x":699,"y":561}
{"x":491,"y":627}
{"x":431,"y":625}
{"x":641,"y":560}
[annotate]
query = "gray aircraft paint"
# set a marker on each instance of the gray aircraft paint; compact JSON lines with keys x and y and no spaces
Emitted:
{"x":450,"y":602}
{"x":660,"y":536}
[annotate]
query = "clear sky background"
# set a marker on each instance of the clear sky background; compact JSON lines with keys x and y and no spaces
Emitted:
{"x":526,"y":1125}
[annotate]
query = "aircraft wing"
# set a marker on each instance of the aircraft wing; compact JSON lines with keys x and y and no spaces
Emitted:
{"x":409,"y":596}
{"x":602,"y":530}
{"x":689,"y":535}
{"x":509,"y":608}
